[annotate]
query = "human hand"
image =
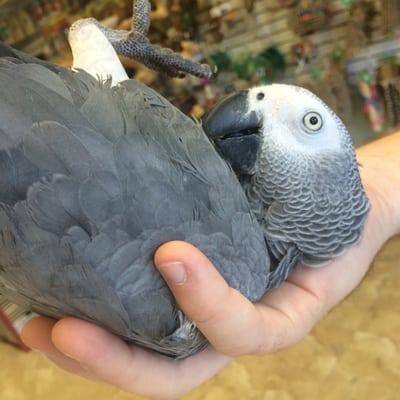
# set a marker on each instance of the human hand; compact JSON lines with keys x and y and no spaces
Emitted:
{"x":232,"y":324}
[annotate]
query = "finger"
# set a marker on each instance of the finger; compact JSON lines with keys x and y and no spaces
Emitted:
{"x":129,"y":367}
{"x":37,"y":335}
{"x":71,"y":366}
{"x":309,"y":293}
{"x":232,"y":324}
{"x":336,"y":280}
{"x":289,"y":313}
{"x":229,"y":321}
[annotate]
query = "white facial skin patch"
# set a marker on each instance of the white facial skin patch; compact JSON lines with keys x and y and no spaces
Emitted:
{"x":286,"y":111}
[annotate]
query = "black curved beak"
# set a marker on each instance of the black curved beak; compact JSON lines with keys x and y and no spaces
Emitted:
{"x":236,"y":132}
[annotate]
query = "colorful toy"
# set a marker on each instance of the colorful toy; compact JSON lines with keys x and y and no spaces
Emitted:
{"x":373,"y":107}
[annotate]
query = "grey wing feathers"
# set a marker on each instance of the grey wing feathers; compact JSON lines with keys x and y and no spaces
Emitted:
{"x":95,"y":178}
{"x":15,"y":56}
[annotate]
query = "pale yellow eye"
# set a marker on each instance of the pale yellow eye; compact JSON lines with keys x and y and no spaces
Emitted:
{"x":313,"y":121}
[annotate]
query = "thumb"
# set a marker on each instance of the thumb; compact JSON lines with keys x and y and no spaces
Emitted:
{"x":229,"y":321}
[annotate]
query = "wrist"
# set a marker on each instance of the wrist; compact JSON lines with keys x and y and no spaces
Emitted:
{"x":380,"y":172}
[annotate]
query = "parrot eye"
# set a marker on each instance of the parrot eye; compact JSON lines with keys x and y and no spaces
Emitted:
{"x":312,"y":121}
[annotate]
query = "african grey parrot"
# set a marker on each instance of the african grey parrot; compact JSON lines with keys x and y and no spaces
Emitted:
{"x":95,"y":178}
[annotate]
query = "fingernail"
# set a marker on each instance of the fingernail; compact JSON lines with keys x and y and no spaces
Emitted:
{"x":23,"y":321}
{"x":174,"y":273}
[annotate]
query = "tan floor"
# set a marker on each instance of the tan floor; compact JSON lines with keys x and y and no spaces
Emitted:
{"x":353,"y":354}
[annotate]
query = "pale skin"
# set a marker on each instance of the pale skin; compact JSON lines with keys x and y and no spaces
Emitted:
{"x":232,"y":324}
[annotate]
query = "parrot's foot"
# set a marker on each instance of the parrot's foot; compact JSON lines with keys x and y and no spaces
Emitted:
{"x":135,"y":44}
{"x":164,"y":60}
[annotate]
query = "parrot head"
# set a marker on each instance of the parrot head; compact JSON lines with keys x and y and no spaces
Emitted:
{"x":284,"y":119}
{"x":297,"y":165}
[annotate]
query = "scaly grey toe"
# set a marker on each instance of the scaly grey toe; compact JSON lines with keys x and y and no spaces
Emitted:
{"x":136,"y":45}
